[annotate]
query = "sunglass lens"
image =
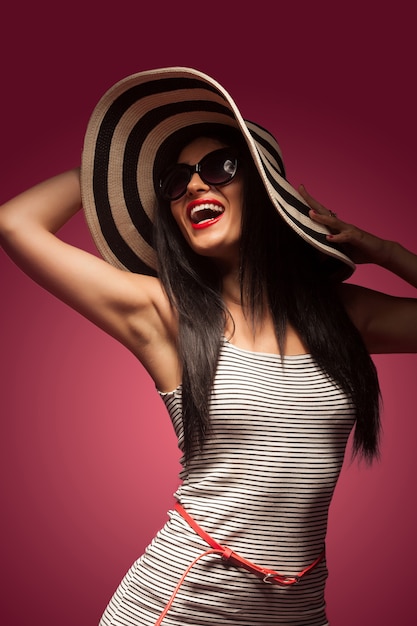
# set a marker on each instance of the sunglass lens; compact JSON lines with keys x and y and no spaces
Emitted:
{"x":175,"y":182}
{"x":219,"y":168}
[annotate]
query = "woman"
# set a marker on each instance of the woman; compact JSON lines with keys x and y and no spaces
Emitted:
{"x":235,"y":304}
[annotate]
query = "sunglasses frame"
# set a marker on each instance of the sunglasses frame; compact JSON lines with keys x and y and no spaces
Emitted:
{"x":230,"y":152}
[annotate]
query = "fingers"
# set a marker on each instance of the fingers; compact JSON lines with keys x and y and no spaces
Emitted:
{"x":361,"y":246}
{"x":328,"y":218}
{"x":314,"y":204}
{"x":340,"y":232}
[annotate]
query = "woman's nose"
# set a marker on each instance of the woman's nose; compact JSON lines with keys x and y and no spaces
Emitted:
{"x":197,"y":184}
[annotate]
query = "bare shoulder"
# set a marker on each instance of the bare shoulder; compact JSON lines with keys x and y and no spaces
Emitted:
{"x":388,"y":324}
{"x":363,"y":304}
{"x":354,"y":299}
{"x":143,"y":290}
{"x":146,"y":307}
{"x":152,"y":325}
{"x":150,"y":303}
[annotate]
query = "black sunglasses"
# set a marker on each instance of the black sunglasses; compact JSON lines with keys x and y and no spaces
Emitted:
{"x":216,"y":168}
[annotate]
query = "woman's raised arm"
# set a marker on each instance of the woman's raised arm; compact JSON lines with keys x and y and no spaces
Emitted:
{"x":387,"y":323}
{"x":130,"y":307}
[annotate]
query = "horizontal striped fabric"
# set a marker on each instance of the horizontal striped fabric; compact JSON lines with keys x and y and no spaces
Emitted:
{"x":262,"y":486}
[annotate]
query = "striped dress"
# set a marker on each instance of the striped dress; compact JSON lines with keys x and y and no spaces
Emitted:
{"x":262,"y":486}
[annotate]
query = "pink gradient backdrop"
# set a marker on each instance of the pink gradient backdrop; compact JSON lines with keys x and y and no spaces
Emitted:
{"x":89,"y":461}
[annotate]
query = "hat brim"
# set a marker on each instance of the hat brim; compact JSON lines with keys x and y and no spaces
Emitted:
{"x":127,"y":128}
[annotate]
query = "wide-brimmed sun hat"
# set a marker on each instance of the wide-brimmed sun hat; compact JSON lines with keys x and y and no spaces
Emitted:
{"x":126,"y":136}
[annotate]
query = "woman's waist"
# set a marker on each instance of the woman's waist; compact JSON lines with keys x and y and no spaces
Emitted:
{"x":258,"y":528}
{"x":275,"y":498}
{"x":269,"y":542}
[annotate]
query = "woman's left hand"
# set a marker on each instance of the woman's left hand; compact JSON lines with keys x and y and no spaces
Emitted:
{"x":361,"y":246}
{"x":387,"y":323}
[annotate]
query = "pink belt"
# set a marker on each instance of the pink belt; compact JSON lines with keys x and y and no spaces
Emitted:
{"x":227,"y":555}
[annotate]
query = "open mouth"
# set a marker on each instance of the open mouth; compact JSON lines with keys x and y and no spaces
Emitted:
{"x":204,"y":213}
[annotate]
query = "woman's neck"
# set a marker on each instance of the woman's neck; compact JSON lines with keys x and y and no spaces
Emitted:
{"x":231,"y":289}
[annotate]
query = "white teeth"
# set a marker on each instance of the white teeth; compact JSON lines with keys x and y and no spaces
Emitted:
{"x":208,"y":206}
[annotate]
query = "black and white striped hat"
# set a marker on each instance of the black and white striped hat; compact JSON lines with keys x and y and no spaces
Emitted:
{"x":125,"y":135}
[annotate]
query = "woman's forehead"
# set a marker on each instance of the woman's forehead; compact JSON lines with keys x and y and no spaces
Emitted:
{"x":194,"y":151}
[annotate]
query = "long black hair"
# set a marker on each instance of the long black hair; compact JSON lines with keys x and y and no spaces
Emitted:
{"x":278,"y":269}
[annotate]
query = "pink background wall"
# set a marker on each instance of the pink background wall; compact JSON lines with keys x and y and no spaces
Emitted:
{"x":88,"y":459}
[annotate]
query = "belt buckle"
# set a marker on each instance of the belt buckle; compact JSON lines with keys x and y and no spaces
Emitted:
{"x":267,"y":577}
{"x":286,"y":580}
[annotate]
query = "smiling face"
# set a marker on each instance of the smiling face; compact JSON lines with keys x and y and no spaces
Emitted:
{"x":210,"y":217}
